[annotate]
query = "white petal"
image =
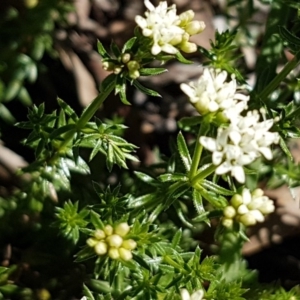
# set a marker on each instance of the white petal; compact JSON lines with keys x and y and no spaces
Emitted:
{"x":238,"y":173}
{"x":185,"y":295}
{"x":223,"y":168}
{"x":149,"y":5}
{"x":155,"y":49}
{"x":217,"y":157}
{"x":266,"y":152}
{"x":198,"y":295}
{"x":247,"y":198}
{"x":257,"y":215}
{"x":168,"y":48}
{"x":208,"y":143}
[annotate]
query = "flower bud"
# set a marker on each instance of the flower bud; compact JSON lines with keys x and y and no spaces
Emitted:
{"x":114,"y":240}
{"x":247,"y":219}
{"x":134,"y":74}
{"x":125,"y":254}
{"x":267,"y":207}
{"x":99,"y":234}
{"x":113,"y":253}
{"x":108,"y":66}
{"x":122,"y":229}
{"x":101,"y":248}
{"x":129,"y":244}
{"x":125,"y":58}
{"x":227,"y":222}
{"x":92,"y":242}
{"x":259,"y":217}
{"x":243,"y":209}
{"x":31,"y":3}
{"x":188,"y":47}
{"x":117,"y":70}
{"x":133,"y":65}
{"x":236,"y":200}
{"x":108,"y":230}
{"x":257,"y":193}
{"x":229,"y":212}
{"x":186,"y":17}
{"x":195,"y":27}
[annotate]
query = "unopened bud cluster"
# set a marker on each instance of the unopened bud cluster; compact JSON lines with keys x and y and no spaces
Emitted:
{"x":247,"y":208}
{"x":112,"y":242}
{"x":125,"y":63}
{"x":169,"y":32}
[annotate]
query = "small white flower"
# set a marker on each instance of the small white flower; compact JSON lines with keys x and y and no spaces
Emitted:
{"x":212,"y":93}
{"x":244,"y":140}
{"x":168,"y":31}
{"x":185,"y":295}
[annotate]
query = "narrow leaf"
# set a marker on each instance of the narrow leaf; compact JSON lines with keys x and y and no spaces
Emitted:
{"x":182,"y":59}
{"x":176,"y":239}
{"x":184,"y":152}
{"x":216,"y":188}
{"x":129,"y":44}
{"x":145,"y":90}
{"x":197,"y":201}
{"x":96,"y":221}
{"x":101,"y":50}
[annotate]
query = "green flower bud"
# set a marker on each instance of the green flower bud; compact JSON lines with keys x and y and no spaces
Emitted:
{"x":117,"y":70}
{"x":114,"y":241}
{"x":242,"y":209}
{"x":247,"y":219}
{"x":108,"y":230}
{"x":229,"y":212}
{"x":133,"y":65}
{"x":125,"y":58}
{"x":101,"y":248}
{"x":257,"y":193}
{"x":186,"y":17}
{"x":195,"y":27}
{"x":129,"y":244}
{"x":188,"y":47}
{"x":99,"y":234}
{"x":92,"y":242}
{"x":236,"y":200}
{"x":108,"y":66}
{"x":134,"y":74}
{"x":113,"y":253}
{"x":227,"y":222}
{"x":122,"y":229}
{"x":125,"y":254}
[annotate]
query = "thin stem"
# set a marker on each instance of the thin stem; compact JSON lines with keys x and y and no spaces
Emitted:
{"x":280,"y":77}
{"x":87,"y":114}
{"x":198,"y":149}
{"x":203,"y":174}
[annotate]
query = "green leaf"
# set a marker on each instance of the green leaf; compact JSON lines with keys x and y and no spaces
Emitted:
{"x":96,"y":220}
{"x":184,"y":152}
{"x":115,"y":49}
{"x":101,"y":50}
{"x":285,"y":149}
{"x":152,"y":71}
{"x":61,"y":130}
{"x":197,"y":201}
{"x":129,"y":44}
{"x":85,"y":254}
{"x":107,"y":82}
{"x":216,"y":188}
{"x":187,"y":122}
{"x":288,"y":36}
{"x":67,"y":109}
{"x":173,"y":177}
{"x":145,"y":90}
{"x":176,"y":239}
{"x":182,"y":59}
{"x":146,"y":178}
{"x":142,"y":200}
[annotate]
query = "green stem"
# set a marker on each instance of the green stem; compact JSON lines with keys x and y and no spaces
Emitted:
{"x":87,"y":114}
{"x":203,"y":174}
{"x":280,"y":77}
{"x":198,"y":149}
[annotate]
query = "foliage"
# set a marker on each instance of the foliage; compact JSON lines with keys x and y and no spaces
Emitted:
{"x":140,"y":240}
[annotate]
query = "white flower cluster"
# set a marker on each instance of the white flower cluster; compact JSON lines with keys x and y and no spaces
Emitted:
{"x":245,"y":138}
{"x":185,"y":295}
{"x":169,"y":31}
{"x":248,"y":208}
{"x":211,"y":93}
{"x":239,"y":144}
{"x":111,"y":241}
